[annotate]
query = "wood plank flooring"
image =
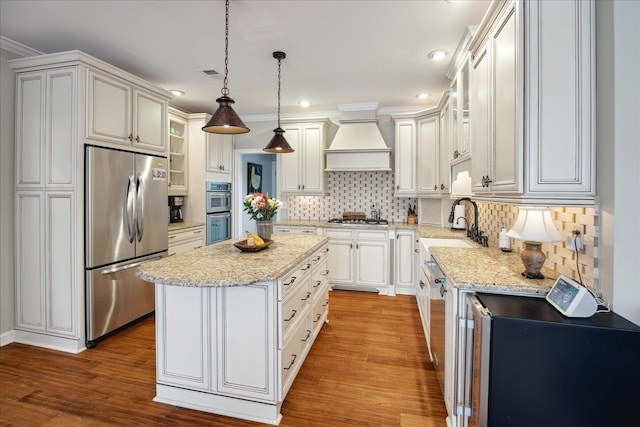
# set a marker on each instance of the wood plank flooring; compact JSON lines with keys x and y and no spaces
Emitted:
{"x":368,"y":367}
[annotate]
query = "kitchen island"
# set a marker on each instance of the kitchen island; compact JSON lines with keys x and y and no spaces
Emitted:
{"x":233,"y":328}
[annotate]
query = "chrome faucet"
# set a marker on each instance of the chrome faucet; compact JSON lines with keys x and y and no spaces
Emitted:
{"x":472,"y":232}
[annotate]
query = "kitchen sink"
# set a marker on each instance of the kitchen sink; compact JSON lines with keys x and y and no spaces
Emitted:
{"x":427,"y":242}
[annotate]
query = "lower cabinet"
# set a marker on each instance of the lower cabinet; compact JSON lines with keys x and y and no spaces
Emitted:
{"x":236,"y":350}
{"x":359,"y":259}
{"x":184,"y":240}
{"x":405,"y":260}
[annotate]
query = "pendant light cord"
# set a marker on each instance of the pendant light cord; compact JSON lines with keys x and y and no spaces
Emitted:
{"x":278,"y":92}
{"x":225,"y":91}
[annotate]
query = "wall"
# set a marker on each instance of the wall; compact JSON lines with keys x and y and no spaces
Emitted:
{"x":618,"y":153}
{"x":266,"y":160}
{"x":8,"y":50}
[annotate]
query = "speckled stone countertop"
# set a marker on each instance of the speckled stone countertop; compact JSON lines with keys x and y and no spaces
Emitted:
{"x":423,"y":230}
{"x":177,"y":226}
{"x":476,"y":268}
{"x":222,"y":264}
{"x":489,"y":269}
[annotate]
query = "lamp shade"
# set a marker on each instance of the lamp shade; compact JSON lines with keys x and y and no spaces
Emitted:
{"x":278,"y":143}
{"x":225,"y":120}
{"x":534,"y":224}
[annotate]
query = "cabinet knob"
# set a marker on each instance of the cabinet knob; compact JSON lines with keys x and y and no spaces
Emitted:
{"x":130,"y":137}
{"x":138,"y":138}
{"x":442,"y":187}
{"x":456,"y":154}
{"x":435,"y":187}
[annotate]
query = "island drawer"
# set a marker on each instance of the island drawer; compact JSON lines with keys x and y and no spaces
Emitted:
{"x":294,"y":308}
{"x":293,"y":354}
{"x":319,"y":257}
{"x":319,"y":277}
{"x":320,"y":310}
{"x":289,"y":282}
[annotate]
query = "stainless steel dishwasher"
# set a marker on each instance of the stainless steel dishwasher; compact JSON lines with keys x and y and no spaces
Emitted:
{"x":437,"y":304}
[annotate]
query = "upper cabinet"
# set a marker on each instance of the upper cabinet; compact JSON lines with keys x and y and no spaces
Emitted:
{"x":125,"y":114}
{"x":178,"y":153}
{"x":532,"y":102}
{"x":419,"y":152}
{"x":302,"y":172}
{"x":219,"y":153}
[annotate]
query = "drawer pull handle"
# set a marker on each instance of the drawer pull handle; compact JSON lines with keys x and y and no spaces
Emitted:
{"x":198,"y":247}
{"x":197,"y":232}
{"x":308,"y":335}
{"x":326,"y":250}
{"x":293,"y":314}
{"x":318,"y":316}
{"x":293,"y":360}
{"x":318,"y":283}
{"x":316,"y":258}
{"x":326,"y":302}
{"x":325,"y":273}
{"x":307,"y":297}
{"x":293,"y":279}
{"x":308,"y":266}
{"x":421,"y":284}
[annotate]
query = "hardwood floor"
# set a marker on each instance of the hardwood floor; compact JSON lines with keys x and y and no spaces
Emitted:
{"x":368,"y":367}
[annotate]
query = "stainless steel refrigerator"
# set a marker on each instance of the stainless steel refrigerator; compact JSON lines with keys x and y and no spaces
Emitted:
{"x":126,"y":221}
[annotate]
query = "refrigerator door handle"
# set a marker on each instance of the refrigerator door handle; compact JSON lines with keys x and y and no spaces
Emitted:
{"x":128,"y":266}
{"x":140,"y":195}
{"x":125,"y":208}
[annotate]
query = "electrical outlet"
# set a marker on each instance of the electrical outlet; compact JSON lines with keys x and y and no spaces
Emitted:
{"x":576,"y":239}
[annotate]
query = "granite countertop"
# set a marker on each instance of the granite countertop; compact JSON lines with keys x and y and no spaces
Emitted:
{"x":423,"y":230}
{"x":222,"y":264}
{"x":177,"y":226}
{"x":489,"y":269}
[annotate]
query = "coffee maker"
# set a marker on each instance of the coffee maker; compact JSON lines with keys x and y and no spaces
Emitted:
{"x":175,"y":208}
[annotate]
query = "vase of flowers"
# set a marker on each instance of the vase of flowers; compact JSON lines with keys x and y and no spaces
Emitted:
{"x":262,"y":209}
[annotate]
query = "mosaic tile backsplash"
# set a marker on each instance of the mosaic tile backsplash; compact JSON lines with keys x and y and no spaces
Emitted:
{"x":352,"y":192}
{"x":358,"y":191}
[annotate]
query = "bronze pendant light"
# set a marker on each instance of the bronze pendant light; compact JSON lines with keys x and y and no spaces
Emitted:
{"x":225,"y":120}
{"x":278,"y":143}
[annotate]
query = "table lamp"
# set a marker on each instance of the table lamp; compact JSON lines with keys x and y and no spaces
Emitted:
{"x":534,"y":226}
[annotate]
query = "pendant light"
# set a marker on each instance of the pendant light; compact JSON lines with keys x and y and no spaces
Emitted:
{"x":278,"y":143}
{"x":225,"y":120}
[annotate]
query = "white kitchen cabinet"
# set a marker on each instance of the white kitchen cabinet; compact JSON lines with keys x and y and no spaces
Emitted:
{"x":428,"y":144}
{"x":219,"y":153}
{"x":405,"y":262}
{"x":498,"y":166}
{"x":125,"y":114}
{"x":55,"y":117}
{"x":178,"y":153}
{"x":359,"y":259}
{"x":405,"y":155}
{"x":302,"y":172}
{"x":458,"y":103}
{"x":418,"y":146}
{"x":187,"y":239}
{"x":528,"y":144}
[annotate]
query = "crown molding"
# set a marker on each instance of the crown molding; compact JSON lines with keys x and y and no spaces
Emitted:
{"x":17,"y":48}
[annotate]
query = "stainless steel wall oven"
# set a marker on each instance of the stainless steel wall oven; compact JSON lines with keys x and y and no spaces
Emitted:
{"x":218,"y":211}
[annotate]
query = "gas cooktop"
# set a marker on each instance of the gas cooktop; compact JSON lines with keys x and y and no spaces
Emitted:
{"x":368,"y":221}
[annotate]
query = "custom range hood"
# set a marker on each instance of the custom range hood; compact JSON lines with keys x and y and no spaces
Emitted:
{"x":358,"y":144}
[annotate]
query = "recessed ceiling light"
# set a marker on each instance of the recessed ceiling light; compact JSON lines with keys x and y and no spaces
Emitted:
{"x":437,"y":55}
{"x":304,"y":103}
{"x":423,"y":95}
{"x":176,"y":92}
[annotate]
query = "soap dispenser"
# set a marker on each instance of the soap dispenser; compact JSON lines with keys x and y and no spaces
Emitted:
{"x":503,"y":240}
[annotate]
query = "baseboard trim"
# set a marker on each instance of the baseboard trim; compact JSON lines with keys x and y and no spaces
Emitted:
{"x":7,"y":337}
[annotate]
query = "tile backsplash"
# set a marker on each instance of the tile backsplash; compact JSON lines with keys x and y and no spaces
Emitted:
{"x":559,"y":257}
{"x":357,"y":191}
{"x":352,"y":192}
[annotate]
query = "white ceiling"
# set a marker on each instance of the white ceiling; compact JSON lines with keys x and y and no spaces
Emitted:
{"x":338,"y":51}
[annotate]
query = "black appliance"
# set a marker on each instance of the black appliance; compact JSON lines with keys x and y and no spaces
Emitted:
{"x":175,"y":208}
{"x":527,"y":365}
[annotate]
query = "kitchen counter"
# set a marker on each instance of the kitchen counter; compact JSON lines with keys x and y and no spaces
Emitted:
{"x":222,"y":264}
{"x":423,"y":230}
{"x":489,"y":269}
{"x":177,"y":226}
